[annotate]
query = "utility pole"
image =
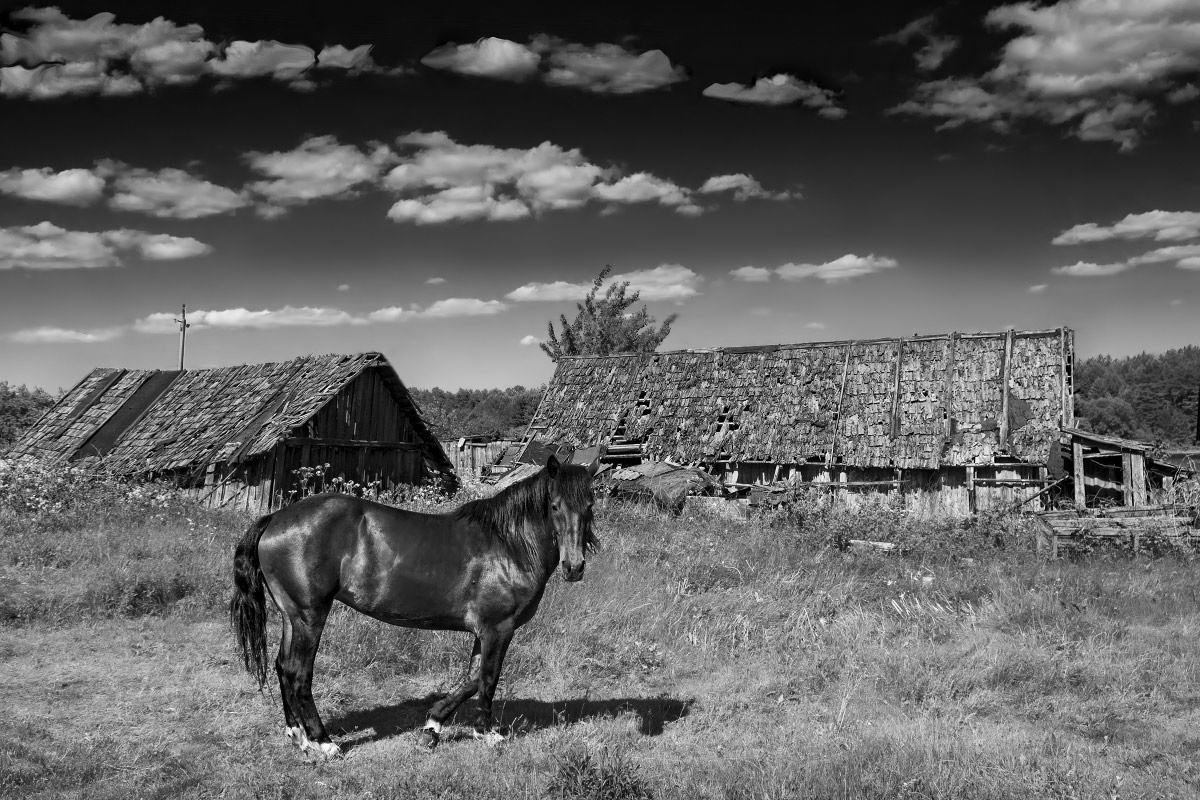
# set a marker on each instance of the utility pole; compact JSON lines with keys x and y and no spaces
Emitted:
{"x":183,"y":326}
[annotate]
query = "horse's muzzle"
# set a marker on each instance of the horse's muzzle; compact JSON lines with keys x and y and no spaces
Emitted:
{"x":572,"y":574}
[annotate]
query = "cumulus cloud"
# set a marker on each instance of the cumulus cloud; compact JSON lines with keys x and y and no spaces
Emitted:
{"x":1095,"y":66}
{"x":47,"y":246}
{"x":1038,"y":288}
{"x":489,"y":57}
{"x":744,"y":187}
{"x":1157,"y":224}
{"x":529,"y":340}
{"x":78,"y":187}
{"x":317,"y":317}
{"x":840,"y":269}
{"x":441,"y":180}
{"x":779,"y":90}
{"x":603,"y":68}
{"x":1086,"y":269}
{"x":172,"y":193}
{"x":434,"y":281}
{"x":935,"y":48}
{"x":751,"y":274}
{"x":1185,"y":256}
{"x":318,"y":168}
{"x":607,"y":68}
{"x":664,"y":282}
{"x":57,"y":56}
{"x":53,"y":335}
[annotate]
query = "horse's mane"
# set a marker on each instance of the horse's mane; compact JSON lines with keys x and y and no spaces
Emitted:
{"x":514,"y":510}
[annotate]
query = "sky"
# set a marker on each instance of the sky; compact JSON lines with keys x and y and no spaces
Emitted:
{"x":439,"y":184}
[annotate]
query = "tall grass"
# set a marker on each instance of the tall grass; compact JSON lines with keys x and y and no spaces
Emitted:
{"x":700,"y":657}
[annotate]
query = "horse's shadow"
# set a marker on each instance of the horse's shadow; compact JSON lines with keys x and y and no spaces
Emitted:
{"x":515,"y":717}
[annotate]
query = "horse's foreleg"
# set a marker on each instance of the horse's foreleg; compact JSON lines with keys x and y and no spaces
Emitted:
{"x":444,"y":708}
{"x":494,"y":647}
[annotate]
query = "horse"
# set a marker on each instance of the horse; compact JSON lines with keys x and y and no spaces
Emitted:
{"x":480,"y":569}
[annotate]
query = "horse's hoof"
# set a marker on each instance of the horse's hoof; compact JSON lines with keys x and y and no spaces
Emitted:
{"x":295,"y":736}
{"x":490,"y":737}
{"x":330,"y":750}
{"x":427,"y":739}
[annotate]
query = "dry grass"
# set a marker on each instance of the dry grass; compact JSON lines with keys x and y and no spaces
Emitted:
{"x":698,"y":659}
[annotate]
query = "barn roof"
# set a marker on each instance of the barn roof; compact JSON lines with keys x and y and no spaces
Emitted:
{"x":160,"y":420}
{"x":916,"y":402}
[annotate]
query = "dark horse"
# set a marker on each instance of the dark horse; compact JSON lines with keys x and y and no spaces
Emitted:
{"x":481,"y":569}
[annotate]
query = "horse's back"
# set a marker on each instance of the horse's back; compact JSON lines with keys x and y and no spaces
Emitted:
{"x":401,"y":566}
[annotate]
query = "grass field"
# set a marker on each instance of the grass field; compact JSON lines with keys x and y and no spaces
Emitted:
{"x":699,"y":658}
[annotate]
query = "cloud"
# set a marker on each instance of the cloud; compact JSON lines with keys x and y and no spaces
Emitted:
{"x":751,"y":274}
{"x":489,"y":57}
{"x":664,"y":282}
{"x":343,"y":287}
{"x":440,"y":181}
{"x":530,"y":340}
{"x":778,"y":90}
{"x":173,"y":194}
{"x":1159,"y":225}
{"x":744,"y":187}
{"x":47,"y":246}
{"x":1038,"y":288}
{"x":602,"y":68}
{"x":58,"y":56}
{"x":1185,"y":256}
{"x":936,"y":48}
{"x":458,"y":203}
{"x":435,"y":281}
{"x":52,"y":335}
{"x":816,"y":325}
{"x":840,"y":269}
{"x":319,"y":168}
{"x":607,"y":68}
{"x":1084,"y":269}
{"x":1096,"y":66}
{"x":77,"y":187}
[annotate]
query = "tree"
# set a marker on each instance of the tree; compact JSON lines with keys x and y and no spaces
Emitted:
{"x":605,"y":326}
{"x":19,"y":408}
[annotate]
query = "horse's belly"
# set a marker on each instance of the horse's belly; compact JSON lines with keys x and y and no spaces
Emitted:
{"x":411,"y":604}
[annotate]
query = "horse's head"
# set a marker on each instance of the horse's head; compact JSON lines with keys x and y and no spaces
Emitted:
{"x":571,"y":514}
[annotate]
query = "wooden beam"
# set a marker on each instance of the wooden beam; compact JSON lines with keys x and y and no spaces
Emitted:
{"x":1137,"y":462}
{"x":895,"y":432}
{"x":351,"y":443}
{"x":948,"y":400}
{"x":837,"y":416}
{"x":1005,"y":377}
{"x":1077,"y":464}
{"x":971,"y":488}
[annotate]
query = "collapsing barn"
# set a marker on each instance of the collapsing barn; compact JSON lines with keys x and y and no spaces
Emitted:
{"x":239,"y":435}
{"x":968,"y":420}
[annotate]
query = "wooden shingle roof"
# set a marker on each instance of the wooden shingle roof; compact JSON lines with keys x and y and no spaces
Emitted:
{"x":156,"y":420}
{"x":917,"y":402}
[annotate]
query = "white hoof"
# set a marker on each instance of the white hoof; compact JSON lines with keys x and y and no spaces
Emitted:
{"x":331,"y":750}
{"x":491,"y":738}
{"x":295,"y":736}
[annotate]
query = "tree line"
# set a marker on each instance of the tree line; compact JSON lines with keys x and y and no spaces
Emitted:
{"x":1146,"y":397}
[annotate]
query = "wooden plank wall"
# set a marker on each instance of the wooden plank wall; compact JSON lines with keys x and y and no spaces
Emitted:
{"x":472,"y":458}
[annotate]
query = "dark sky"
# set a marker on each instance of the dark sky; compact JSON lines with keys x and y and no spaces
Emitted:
{"x":839,"y":172}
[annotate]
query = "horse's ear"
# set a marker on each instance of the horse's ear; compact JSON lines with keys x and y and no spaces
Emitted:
{"x":551,"y":466}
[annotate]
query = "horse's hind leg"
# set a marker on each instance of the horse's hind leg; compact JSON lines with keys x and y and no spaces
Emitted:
{"x":444,"y":708}
{"x":295,"y":670}
{"x":292,"y":728}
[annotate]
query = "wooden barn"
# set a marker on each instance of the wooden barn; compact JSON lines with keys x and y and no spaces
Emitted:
{"x":238,"y":435}
{"x":964,"y":421}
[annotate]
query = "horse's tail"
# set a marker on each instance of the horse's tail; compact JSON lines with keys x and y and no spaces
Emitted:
{"x":247,"y":606}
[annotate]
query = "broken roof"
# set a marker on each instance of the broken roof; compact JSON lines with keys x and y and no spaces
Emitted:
{"x":160,"y":420}
{"x":918,"y":402}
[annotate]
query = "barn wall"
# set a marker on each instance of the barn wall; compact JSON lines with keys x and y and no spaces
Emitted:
{"x":361,"y":433}
{"x":950,"y":491}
